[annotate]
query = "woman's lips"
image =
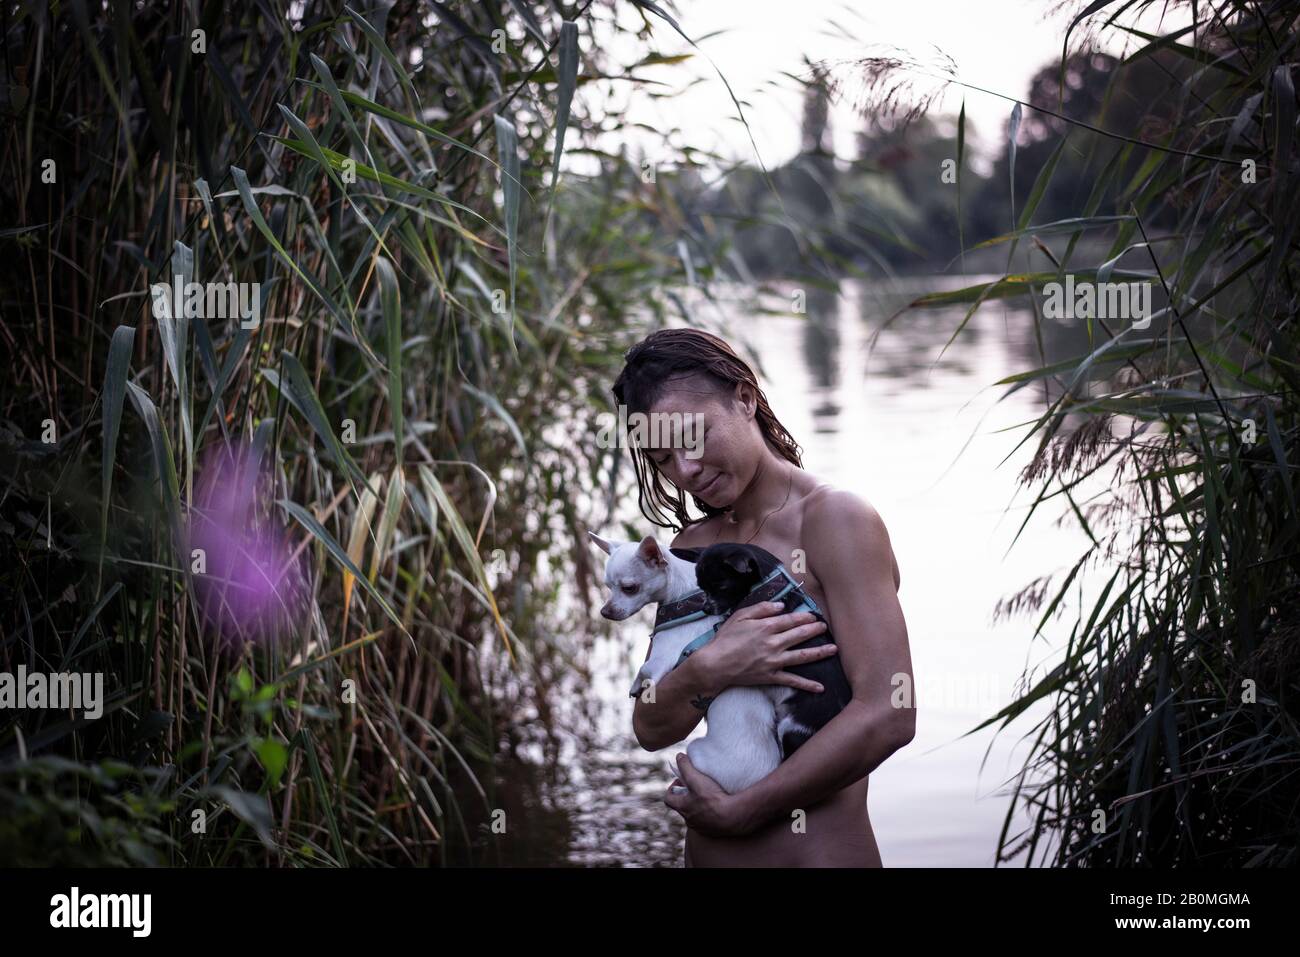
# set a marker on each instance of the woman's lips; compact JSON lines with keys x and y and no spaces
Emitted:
{"x":708,"y":488}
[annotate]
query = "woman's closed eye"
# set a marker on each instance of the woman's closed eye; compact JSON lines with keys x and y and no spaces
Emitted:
{"x":660,"y":463}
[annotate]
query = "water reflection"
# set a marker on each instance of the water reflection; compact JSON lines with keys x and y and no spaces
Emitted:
{"x":821,"y":344}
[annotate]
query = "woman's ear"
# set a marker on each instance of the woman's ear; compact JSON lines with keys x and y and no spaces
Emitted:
{"x":746,"y":398}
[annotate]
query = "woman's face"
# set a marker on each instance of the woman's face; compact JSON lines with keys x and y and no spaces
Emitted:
{"x":719,"y":461}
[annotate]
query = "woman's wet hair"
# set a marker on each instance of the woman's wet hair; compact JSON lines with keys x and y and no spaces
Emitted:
{"x":661,"y":361}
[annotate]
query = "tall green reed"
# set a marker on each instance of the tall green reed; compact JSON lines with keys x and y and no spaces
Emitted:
{"x":441,"y":308}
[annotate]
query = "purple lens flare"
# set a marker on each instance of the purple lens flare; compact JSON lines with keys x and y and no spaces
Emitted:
{"x":250,"y":588}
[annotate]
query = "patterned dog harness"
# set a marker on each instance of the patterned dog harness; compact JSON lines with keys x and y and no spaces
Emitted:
{"x":778,"y":586}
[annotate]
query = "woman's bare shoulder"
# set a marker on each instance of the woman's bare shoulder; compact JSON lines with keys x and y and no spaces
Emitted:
{"x":832,"y":516}
{"x":827,"y":504}
{"x":692,"y":536}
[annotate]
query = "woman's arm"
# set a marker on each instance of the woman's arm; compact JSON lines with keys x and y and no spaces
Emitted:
{"x":751,"y":648}
{"x":734,"y":656}
{"x":679,"y":702}
{"x":848,"y":550}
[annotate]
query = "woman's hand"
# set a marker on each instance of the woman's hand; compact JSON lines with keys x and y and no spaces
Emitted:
{"x":753,"y":647}
{"x":704,"y":805}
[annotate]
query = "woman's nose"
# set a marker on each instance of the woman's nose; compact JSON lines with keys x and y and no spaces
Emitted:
{"x":687,"y":467}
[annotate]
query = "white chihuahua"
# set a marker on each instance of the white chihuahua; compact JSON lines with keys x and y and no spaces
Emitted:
{"x":740,"y":746}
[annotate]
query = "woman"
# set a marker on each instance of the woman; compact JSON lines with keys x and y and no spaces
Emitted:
{"x":747,"y":478}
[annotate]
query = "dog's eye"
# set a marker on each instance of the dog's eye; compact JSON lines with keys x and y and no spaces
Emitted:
{"x":631,"y":589}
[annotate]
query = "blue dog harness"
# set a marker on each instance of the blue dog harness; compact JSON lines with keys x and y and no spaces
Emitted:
{"x":778,"y":586}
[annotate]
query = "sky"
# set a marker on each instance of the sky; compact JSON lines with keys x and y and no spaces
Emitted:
{"x":994,"y":44}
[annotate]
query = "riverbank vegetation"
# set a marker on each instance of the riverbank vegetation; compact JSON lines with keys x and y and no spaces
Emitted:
{"x":317,"y":551}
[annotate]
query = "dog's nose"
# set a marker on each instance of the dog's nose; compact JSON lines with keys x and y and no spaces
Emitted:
{"x":607,"y":611}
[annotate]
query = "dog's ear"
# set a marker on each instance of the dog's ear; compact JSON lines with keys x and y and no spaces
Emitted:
{"x":606,"y":546}
{"x":744,"y":564}
{"x":687,"y":554}
{"x":648,"y":551}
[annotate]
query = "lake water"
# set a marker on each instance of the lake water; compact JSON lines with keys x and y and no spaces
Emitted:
{"x":918,"y":437}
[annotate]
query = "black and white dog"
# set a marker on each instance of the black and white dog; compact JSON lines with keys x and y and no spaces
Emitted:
{"x":751,"y":729}
{"x":737,"y":576}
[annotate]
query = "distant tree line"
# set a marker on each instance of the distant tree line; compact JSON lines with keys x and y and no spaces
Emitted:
{"x":895,"y":205}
